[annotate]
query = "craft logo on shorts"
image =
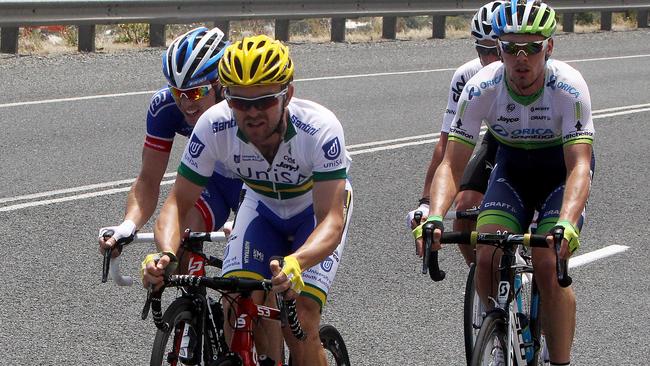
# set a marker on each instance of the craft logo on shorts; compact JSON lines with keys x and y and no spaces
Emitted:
{"x":332,"y":149}
{"x":327,"y":264}
{"x":196,"y":147}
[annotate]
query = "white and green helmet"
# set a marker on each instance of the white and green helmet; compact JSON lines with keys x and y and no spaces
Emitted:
{"x":524,"y":17}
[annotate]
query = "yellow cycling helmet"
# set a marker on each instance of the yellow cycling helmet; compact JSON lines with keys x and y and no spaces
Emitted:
{"x":257,"y":60}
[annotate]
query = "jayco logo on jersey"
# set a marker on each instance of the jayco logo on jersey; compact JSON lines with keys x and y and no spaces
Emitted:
{"x":327,"y":264}
{"x":510,"y":108}
{"x":332,"y":149}
{"x":195,"y":147}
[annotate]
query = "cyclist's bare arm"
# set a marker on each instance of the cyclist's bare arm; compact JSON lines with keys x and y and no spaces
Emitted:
{"x":168,"y":227}
{"x":329,"y":197}
{"x":142,"y":199}
{"x":436,"y":159}
{"x":446,"y":182}
{"x":143,"y":196}
{"x":577,"y":158}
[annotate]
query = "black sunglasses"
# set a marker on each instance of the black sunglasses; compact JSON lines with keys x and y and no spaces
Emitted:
{"x":260,"y":103}
{"x":486,"y":50}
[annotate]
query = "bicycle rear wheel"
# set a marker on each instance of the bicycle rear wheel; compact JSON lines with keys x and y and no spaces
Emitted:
{"x":335,"y":350}
{"x":180,"y":312}
{"x":490,"y":346}
{"x":472,"y":314}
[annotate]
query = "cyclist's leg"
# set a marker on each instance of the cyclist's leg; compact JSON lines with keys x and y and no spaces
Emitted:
{"x":466,"y":200}
{"x":473,"y":186}
{"x":502,"y":209}
{"x":558,"y":305}
{"x":318,"y":280}
{"x":253,"y":242}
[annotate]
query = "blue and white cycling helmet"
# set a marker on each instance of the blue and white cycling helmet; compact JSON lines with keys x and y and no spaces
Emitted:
{"x":482,"y":22}
{"x":193,"y":58}
{"x":525,"y":17}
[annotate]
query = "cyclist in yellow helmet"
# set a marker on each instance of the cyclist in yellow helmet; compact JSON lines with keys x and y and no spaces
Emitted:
{"x":291,"y":155}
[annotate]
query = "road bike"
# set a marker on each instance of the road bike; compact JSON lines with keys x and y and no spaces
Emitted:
{"x":510,"y":334}
{"x":191,"y":330}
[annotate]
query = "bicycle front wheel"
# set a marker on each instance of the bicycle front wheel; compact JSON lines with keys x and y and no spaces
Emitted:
{"x":490,"y":347}
{"x":335,"y":350}
{"x":179,"y":313}
{"x":472,"y":314}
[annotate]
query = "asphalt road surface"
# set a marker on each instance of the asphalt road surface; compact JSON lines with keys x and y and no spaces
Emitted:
{"x":73,"y":128}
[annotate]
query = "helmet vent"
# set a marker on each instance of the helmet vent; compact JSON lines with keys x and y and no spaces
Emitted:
{"x":239,"y":71}
{"x":254,"y":66}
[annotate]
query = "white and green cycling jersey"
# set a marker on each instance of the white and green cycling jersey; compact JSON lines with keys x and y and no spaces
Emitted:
{"x":559,"y":114}
{"x":312,"y":149}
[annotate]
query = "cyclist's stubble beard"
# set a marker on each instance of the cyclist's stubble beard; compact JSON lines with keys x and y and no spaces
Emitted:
{"x":527,"y":86}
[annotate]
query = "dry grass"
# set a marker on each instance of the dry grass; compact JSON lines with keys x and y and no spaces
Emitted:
{"x":120,"y":37}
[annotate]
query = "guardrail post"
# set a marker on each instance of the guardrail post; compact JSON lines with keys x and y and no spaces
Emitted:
{"x":568,"y":22}
{"x":224,"y":25}
{"x":282,"y":30}
{"x":606,"y":20}
{"x":338,"y":30}
{"x":86,"y":38}
{"x":9,"y":40}
{"x":439,"y":26}
{"x":157,"y":36}
{"x":388,"y":27}
{"x":642,"y":19}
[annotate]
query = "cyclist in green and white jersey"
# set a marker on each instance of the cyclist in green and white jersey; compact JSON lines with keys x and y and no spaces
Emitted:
{"x":476,"y":175}
{"x":539,"y":110}
{"x":291,"y":155}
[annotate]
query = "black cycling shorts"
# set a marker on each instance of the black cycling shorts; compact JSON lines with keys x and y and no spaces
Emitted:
{"x":477,"y":172}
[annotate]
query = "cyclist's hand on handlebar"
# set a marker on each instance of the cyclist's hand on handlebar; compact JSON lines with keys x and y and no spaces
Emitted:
{"x":154,"y":268}
{"x":124,"y":230}
{"x":411,"y":223}
{"x":288,"y":278}
{"x":437,"y":233}
{"x":570,"y":242}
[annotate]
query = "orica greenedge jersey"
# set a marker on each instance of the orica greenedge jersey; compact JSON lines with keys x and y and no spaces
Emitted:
{"x":312,"y":149}
{"x":458,"y":82}
{"x":559,"y":114}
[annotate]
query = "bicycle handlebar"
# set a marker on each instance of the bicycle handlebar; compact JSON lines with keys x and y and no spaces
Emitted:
{"x":112,"y":265}
{"x":497,"y":240}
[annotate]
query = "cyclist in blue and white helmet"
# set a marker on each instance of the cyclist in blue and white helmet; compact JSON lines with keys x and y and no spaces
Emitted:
{"x":193,"y":58}
{"x":190,"y":66}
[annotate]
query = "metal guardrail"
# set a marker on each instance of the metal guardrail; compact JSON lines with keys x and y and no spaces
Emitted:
{"x":158,"y":13}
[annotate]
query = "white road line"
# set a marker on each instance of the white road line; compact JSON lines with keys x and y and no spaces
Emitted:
{"x":72,"y":198}
{"x":388,"y":145}
{"x":601,"y":253}
{"x":72,"y":99}
{"x":75,"y":189}
{"x":621,"y":113}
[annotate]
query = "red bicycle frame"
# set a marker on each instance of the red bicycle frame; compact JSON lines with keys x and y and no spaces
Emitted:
{"x":246,"y":312}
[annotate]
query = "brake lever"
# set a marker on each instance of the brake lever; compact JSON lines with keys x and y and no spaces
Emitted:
{"x":562,"y":265}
